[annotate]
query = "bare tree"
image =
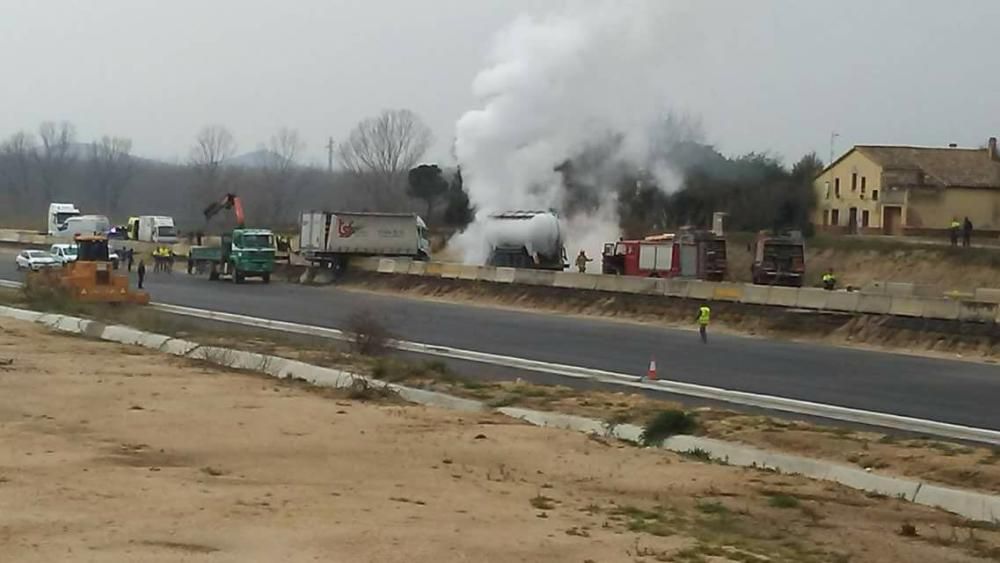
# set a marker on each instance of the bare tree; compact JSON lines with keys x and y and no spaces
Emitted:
{"x":16,"y":154}
{"x":213,"y":146}
{"x":280,"y":170}
{"x":55,"y":156}
{"x":381,"y":150}
{"x":111,"y":168}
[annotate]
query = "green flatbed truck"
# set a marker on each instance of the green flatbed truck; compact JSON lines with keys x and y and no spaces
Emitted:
{"x":244,"y":253}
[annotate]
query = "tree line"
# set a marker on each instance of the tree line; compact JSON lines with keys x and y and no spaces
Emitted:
{"x":380,"y":168}
{"x":104,"y":176}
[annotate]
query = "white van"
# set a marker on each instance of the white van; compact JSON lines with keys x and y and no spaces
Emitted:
{"x":84,"y":225}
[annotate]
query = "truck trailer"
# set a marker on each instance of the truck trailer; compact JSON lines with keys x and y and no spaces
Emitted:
{"x":328,"y":239}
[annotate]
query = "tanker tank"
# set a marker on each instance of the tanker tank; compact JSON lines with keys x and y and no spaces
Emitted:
{"x":525,"y":239}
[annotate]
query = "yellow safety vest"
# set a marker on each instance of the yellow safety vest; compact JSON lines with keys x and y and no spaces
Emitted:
{"x":703,"y":315}
{"x":828,"y":277}
{"x":955,"y":224}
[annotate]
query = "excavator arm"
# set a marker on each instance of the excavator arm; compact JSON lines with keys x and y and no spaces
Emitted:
{"x":230,"y":201}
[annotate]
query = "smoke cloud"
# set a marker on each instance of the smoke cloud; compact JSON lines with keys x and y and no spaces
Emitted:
{"x":590,"y":80}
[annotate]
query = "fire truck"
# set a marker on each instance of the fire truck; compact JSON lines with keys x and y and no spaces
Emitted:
{"x":691,"y":253}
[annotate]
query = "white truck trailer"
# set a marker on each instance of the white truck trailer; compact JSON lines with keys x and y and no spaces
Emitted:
{"x":152,"y":228}
{"x":329,"y":239}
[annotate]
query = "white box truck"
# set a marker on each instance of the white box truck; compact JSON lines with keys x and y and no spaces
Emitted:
{"x":152,"y":228}
{"x":328,"y":239}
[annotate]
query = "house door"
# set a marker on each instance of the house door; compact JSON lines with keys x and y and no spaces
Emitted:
{"x":892,"y":219}
{"x":852,"y":221}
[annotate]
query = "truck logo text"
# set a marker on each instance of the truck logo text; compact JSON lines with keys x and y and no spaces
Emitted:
{"x":346,"y":229}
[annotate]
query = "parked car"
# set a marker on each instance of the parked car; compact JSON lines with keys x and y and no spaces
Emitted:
{"x":35,"y":260}
{"x":64,"y":253}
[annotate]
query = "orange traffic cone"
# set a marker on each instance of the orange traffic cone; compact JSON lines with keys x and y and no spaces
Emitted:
{"x":651,"y":374}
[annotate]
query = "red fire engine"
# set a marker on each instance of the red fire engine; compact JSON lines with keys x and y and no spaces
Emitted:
{"x":690,"y":254}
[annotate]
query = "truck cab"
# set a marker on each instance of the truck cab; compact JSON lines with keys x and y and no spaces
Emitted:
{"x":244,"y":253}
{"x":57,"y":216}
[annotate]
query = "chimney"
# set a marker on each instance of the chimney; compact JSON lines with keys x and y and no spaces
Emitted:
{"x":992,"y":147}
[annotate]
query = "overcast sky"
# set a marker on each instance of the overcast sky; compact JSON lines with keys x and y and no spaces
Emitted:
{"x":764,"y":75}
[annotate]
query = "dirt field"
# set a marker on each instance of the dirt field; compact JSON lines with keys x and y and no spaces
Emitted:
{"x":115,"y":454}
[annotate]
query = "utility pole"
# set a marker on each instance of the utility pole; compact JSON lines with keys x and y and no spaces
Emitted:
{"x":329,"y":156}
{"x":833,"y":137}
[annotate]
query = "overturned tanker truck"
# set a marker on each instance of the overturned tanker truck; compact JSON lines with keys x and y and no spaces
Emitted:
{"x":525,"y":239}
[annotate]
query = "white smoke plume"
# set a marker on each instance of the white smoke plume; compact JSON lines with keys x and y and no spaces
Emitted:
{"x":553,"y":85}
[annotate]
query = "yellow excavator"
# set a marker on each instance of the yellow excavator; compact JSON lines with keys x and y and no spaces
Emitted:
{"x":91,"y":277}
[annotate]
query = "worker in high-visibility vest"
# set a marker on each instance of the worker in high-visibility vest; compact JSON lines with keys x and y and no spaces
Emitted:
{"x":829,"y":280}
{"x":953,"y":230}
{"x":704,"y":316}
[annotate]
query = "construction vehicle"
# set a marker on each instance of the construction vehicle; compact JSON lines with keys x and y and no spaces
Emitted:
{"x":525,"y":239}
{"x":90,"y":277}
{"x":243,"y":253}
{"x":779,"y":259}
{"x":694,"y":254}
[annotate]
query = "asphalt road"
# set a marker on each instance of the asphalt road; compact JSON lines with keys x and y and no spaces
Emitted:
{"x":935,"y":389}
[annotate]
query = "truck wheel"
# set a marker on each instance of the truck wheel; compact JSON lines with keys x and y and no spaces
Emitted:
{"x":213,"y":274}
{"x":237,"y":277}
{"x":266,"y":278}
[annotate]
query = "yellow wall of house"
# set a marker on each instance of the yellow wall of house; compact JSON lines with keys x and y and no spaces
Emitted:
{"x":934,"y":210}
{"x":851,"y":195}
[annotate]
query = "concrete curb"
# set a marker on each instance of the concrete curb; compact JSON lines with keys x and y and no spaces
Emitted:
{"x":976,"y":506}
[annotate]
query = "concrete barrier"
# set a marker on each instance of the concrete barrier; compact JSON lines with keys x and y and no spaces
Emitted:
{"x":535,"y":277}
{"x":434,"y":269}
{"x":417,"y":268}
{"x":701,"y":290}
{"x":976,"y":312}
{"x":987,"y":295}
{"x":630,"y":284}
{"x":783,"y":296}
{"x":451,"y":271}
{"x":946,"y":309}
{"x":842,"y":301}
{"x":468,"y":272}
{"x":574,"y":280}
{"x":941,"y":309}
{"x":726,"y":291}
{"x":755,"y":294}
{"x":386,"y":266}
{"x":874,"y":287}
{"x":812,"y":298}
{"x":365,"y":264}
{"x":675,"y":288}
{"x":899,"y":289}
{"x":874,"y":304}
{"x":907,"y":307}
{"x":504,"y":275}
{"x":402,"y":266}
{"x":9,"y":236}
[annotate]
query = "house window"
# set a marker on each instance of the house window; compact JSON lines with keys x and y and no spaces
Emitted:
{"x":874,"y":195}
{"x":854,"y":181}
{"x":864,"y":218}
{"x":864,"y":184}
{"x":827,"y":190}
{"x":836,"y":188}
{"x":835,"y":217}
